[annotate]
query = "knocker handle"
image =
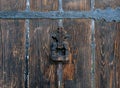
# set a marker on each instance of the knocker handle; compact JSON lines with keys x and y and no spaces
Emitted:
{"x":60,"y":47}
{"x":60,"y":52}
{"x":59,"y":75}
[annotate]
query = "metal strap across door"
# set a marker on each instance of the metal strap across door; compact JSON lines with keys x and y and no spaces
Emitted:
{"x":93,"y":14}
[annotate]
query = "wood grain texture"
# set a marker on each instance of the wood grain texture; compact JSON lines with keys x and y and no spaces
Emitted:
{"x":76,"y":5}
{"x":44,"y":5}
{"x":80,"y":33}
{"x":12,"y":54}
{"x":117,"y":55}
{"x":1,"y":80}
{"x":12,"y":5}
{"x":102,"y":4}
{"x":12,"y":43}
{"x":107,"y":55}
{"x":76,"y":73}
{"x":43,"y":71}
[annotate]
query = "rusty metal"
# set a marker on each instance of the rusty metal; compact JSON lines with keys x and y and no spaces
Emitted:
{"x":93,"y":47}
{"x":60,"y":47}
{"x":60,"y":51}
{"x":98,"y":14}
{"x":60,"y":75}
{"x":27,"y":46}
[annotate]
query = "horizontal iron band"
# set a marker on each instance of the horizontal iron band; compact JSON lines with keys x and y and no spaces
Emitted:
{"x":98,"y":14}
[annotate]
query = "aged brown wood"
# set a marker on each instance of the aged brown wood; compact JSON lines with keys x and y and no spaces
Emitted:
{"x":1,"y":80}
{"x":76,"y":5}
{"x":12,"y":5}
{"x":117,"y":55}
{"x":43,"y":71}
{"x":107,"y":55}
{"x":81,"y":53}
{"x":102,"y":4}
{"x":12,"y":53}
{"x":107,"y":49}
{"x":44,"y":5}
{"x":80,"y":31}
{"x":77,"y":73}
{"x":12,"y":43}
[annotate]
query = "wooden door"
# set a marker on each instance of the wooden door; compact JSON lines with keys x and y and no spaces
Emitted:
{"x":25,"y":45}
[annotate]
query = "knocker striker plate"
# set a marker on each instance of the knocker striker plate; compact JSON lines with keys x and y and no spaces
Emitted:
{"x":60,"y":47}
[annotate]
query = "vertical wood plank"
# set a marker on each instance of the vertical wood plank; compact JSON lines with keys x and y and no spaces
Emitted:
{"x":117,"y":55}
{"x":12,"y":5}
{"x":12,"y":56}
{"x":44,"y":5}
{"x":42,"y":71}
{"x":76,"y":5}
{"x":81,"y":52}
{"x":107,"y":63}
{"x":12,"y":46}
{"x":69,"y":69}
{"x":1,"y":61}
{"x":80,"y":31}
{"x":103,"y":4}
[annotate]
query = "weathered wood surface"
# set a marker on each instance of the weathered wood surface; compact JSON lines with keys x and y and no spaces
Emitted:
{"x":12,"y":47}
{"x":107,"y":55}
{"x":77,"y":73}
{"x":12,"y":54}
{"x":76,"y":5}
{"x":81,"y":52}
{"x":102,"y":4}
{"x":12,"y":5}
{"x":42,"y":71}
{"x":44,"y":5}
{"x":107,"y":36}
{"x":80,"y":31}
